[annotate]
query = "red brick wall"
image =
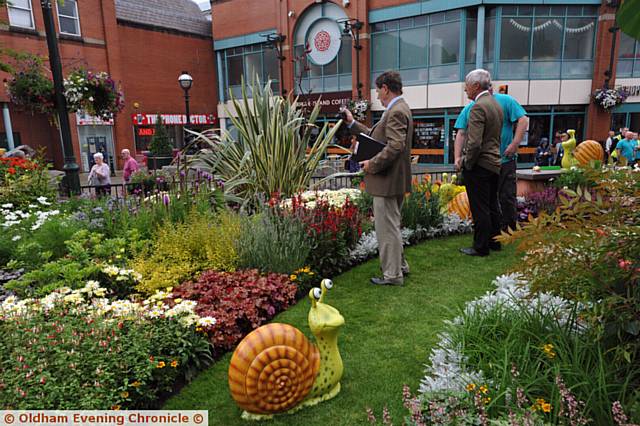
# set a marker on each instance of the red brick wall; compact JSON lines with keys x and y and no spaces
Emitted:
{"x":152,"y":62}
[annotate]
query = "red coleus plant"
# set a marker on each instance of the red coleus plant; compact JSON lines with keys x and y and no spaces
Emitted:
{"x":239,"y":301}
{"x":15,"y":166}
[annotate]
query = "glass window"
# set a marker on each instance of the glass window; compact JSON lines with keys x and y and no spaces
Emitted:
{"x":413,"y":48}
{"x":344,"y":56}
{"x":420,"y":21}
{"x":253,"y":64}
{"x":547,"y":39}
{"x":627,"y":47}
{"x":384,"y":51}
{"x":579,"y":38}
{"x":235,"y":70}
{"x":68,"y":17}
{"x":444,"y":43}
{"x":470,"y":41}
{"x":436,"y":18}
{"x":271,"y":68}
{"x":515,"y":39}
{"x":489,"y":39}
{"x":20,"y":13}
{"x":563,"y":122}
{"x":406,"y":23}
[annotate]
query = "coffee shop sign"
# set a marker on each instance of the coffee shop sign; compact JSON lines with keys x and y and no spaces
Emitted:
{"x":631,"y":90}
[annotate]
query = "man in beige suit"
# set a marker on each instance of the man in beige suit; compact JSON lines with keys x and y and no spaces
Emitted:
{"x":388,"y":175}
{"x":481,"y":162}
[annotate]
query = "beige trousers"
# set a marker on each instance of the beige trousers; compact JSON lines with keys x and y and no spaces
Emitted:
{"x":387,"y":218}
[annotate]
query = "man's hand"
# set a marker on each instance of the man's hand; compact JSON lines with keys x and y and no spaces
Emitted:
{"x":458,"y":164}
{"x":511,"y":151}
{"x":348,"y":117}
{"x":365,"y":165}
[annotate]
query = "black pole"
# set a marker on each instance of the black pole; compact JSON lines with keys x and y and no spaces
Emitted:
{"x":608,"y":73}
{"x":70,"y":168}
{"x":186,"y":105}
{"x":358,"y":48}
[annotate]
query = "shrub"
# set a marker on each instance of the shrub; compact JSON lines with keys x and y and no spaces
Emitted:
{"x":239,"y":301}
{"x":181,"y":250}
{"x":160,"y":144}
{"x":61,"y":353}
{"x":273,"y":243}
{"x":421,"y":208}
{"x":23,"y":181}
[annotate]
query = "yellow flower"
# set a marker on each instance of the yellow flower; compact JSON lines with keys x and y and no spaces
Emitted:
{"x":311,"y":273}
{"x":539,"y":401}
{"x":293,"y":277}
{"x":546,"y":407}
{"x":124,"y":394}
{"x":174,"y":363}
{"x":115,"y":407}
{"x":471,"y":387}
{"x":161,"y":364}
{"x":484,"y":389}
{"x":136,"y":384}
{"x":198,"y":328}
{"x":177,"y":301}
{"x":548,"y":350}
{"x":487,"y":400}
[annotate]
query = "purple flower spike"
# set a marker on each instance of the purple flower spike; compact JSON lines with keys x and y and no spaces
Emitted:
{"x":165,"y":199}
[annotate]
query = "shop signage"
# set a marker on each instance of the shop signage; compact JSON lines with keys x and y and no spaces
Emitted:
{"x":631,"y":90}
{"x":324,"y":39}
{"x":84,"y":119}
{"x":174,"y":119}
{"x":146,"y":131}
{"x":329,"y":102}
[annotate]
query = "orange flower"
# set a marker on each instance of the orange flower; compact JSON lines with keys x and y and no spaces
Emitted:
{"x":124,"y":394}
{"x":136,"y":384}
{"x":115,"y":407}
{"x":546,"y":407}
{"x":161,"y":364}
{"x":174,"y":363}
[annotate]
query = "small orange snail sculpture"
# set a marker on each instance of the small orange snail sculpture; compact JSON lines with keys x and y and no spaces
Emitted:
{"x":276,"y":369}
{"x":460,"y":206}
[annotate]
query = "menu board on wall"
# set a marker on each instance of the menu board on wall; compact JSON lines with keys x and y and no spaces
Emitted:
{"x":428,"y":134}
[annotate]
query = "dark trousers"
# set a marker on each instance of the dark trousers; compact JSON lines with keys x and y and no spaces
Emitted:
{"x":507,"y":195}
{"x":482,"y":190}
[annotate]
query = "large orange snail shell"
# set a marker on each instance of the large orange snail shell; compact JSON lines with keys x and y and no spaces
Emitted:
{"x":587,"y":151}
{"x":460,"y":206}
{"x":273,"y":369}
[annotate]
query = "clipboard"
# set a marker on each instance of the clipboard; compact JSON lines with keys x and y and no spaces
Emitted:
{"x":366,"y":148}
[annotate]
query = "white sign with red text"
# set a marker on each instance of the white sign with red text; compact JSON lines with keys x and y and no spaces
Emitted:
{"x":174,"y":119}
{"x":324,"y":40}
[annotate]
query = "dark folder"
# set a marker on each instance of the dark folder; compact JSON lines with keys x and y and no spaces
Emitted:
{"x":367,"y":148}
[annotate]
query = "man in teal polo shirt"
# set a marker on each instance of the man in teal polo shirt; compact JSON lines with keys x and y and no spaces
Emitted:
{"x":625,"y":148}
{"x":513,"y":113}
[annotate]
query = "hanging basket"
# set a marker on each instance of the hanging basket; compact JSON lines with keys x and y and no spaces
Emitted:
{"x":609,"y":98}
{"x":95,"y":93}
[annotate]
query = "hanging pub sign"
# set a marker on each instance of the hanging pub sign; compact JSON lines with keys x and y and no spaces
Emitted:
{"x":174,"y":119}
{"x":330,"y":103}
{"x":324,"y":39}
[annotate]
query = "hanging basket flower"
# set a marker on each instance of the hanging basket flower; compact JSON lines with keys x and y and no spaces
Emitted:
{"x":95,"y":93}
{"x":30,"y":88}
{"x":359,"y":109}
{"x":609,"y":98}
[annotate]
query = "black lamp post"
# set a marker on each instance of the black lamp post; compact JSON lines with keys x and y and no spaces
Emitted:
{"x":613,"y":30}
{"x":352,"y":28}
{"x":275,"y":42}
{"x":186,"y":81}
{"x":70,"y":168}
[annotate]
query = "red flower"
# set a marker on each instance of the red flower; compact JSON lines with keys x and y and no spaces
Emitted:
{"x":11,"y":171}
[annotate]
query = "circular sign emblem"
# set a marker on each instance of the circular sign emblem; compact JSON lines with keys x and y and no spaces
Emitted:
{"x":324,"y":39}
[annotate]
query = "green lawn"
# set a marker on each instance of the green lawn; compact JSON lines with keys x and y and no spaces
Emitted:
{"x":385,"y":342}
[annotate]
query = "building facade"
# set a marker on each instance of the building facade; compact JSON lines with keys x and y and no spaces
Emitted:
{"x":144,"y":46}
{"x":549,"y":54}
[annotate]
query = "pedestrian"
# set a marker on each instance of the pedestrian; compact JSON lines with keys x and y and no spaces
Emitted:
{"x":513,"y":114}
{"x":557,"y":160}
{"x":543,"y":153}
{"x":480,"y":162}
{"x":388,"y":174}
{"x":608,"y":146}
{"x":625,"y":150}
{"x":130,"y":165}
{"x":100,"y":175}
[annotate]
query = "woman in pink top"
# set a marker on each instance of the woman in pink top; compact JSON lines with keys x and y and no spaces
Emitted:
{"x":130,"y":165}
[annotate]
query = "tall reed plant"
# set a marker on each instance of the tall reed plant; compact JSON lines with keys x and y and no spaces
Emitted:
{"x":277,"y":149}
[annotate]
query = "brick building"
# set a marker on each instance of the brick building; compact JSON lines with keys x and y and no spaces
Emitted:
{"x":549,"y":54}
{"x":143,"y":44}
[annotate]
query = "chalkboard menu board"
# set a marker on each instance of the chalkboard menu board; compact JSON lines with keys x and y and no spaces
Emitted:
{"x":428,"y":134}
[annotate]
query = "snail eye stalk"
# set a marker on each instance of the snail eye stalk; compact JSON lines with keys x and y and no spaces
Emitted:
{"x":327,"y":283}
{"x":317,"y":293}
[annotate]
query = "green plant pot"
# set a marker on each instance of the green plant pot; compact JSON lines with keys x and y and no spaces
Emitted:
{"x":156,"y":163}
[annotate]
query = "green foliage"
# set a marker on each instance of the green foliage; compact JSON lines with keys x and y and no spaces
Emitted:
{"x":587,"y":250}
{"x":574,"y":178}
{"x":59,"y":359}
{"x":273,"y":243}
{"x":270,"y":154}
{"x":29,"y":87}
{"x":160,"y":144}
{"x":181,"y":250}
{"x":421,"y":208}
{"x":23,"y":181}
{"x":628,"y":19}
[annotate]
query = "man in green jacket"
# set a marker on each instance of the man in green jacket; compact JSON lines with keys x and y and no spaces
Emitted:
{"x":481,"y":162}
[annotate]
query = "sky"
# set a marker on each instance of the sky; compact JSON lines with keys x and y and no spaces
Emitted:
{"x":204,"y":4}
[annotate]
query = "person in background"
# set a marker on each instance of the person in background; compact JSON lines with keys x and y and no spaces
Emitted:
{"x":637,"y":148}
{"x":130,"y":165}
{"x":608,"y":146}
{"x":625,"y":150}
{"x":513,"y":113}
{"x":557,"y":159}
{"x":543,"y":153}
{"x":100,"y":175}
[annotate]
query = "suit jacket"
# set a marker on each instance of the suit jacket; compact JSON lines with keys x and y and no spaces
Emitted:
{"x":482,"y":138}
{"x":390,"y":170}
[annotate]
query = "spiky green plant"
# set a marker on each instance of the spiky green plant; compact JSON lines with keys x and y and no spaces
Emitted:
{"x":274,"y":152}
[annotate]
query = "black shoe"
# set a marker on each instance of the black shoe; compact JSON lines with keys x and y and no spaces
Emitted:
{"x":495,"y":246}
{"x":383,"y":281}
{"x":406,"y":273}
{"x":470,"y":251}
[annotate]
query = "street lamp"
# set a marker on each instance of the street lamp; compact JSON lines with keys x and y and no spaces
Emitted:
{"x":70,"y":168}
{"x":352,"y":28}
{"x":186,"y":81}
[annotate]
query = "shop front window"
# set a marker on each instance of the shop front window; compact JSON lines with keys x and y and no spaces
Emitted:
{"x":248,"y":63}
{"x":628,"y":57}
